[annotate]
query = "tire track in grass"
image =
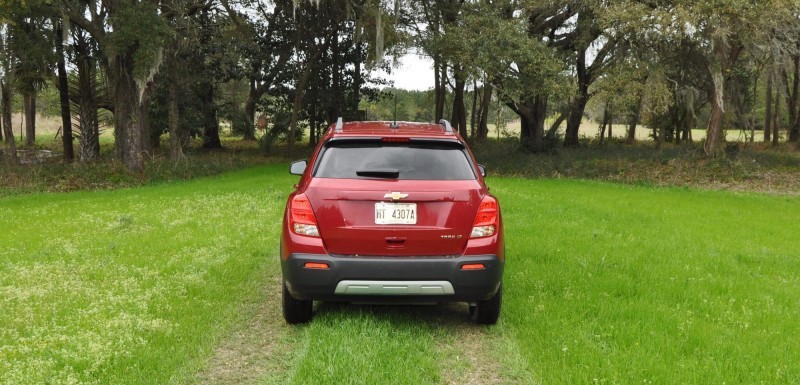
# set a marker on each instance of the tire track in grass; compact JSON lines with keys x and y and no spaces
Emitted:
{"x":358,"y":344}
{"x":259,"y":348}
{"x":477,"y":354}
{"x":361,"y":344}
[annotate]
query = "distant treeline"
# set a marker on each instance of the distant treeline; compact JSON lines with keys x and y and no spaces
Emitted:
{"x":181,"y":66}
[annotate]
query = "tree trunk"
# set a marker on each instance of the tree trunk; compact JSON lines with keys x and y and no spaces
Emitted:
{"x":532,"y":115}
{"x":63,"y":94}
{"x":603,"y":125}
{"x":459,"y":113}
{"x":575,"y":118}
{"x":473,"y":113}
{"x":335,"y":109}
{"x":551,"y":132}
{"x":177,"y":136}
{"x":578,"y":105}
{"x":713,"y":140}
{"x":686,"y":133}
{"x":776,"y":127}
{"x":5,"y":100}
{"x":127,"y":111}
{"x":483,"y":126}
{"x":637,"y":114}
{"x":297,"y":103}
{"x":312,"y":124}
{"x":250,"y":110}
{"x":210,"y":123}
{"x":29,"y":101}
{"x":768,"y":113}
{"x":440,"y":79}
{"x":5,"y":91}
{"x":357,"y":80}
{"x":794,"y":103}
{"x":87,"y":119}
{"x":149,"y":138}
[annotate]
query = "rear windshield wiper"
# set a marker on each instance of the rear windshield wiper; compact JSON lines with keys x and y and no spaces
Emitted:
{"x":380,"y":173}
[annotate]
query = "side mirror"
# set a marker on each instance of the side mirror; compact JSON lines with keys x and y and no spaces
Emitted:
{"x":483,"y":170}
{"x":298,"y":167}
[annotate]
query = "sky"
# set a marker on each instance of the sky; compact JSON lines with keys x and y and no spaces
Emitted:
{"x":414,"y":73}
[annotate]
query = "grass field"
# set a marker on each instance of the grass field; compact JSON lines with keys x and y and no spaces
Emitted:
{"x":605,"y":283}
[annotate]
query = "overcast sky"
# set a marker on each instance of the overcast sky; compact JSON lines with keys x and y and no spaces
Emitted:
{"x":414,"y":73}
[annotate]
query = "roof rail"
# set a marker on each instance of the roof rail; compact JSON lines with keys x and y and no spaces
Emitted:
{"x":339,"y":125}
{"x":447,"y":127}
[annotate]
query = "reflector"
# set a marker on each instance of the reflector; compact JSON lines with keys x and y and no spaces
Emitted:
{"x":316,"y":265}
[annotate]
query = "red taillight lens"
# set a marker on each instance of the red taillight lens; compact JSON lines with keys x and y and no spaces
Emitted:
{"x":303,"y":221}
{"x":486,"y":220}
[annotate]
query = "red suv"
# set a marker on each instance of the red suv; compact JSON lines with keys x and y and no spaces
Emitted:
{"x":392,"y":212}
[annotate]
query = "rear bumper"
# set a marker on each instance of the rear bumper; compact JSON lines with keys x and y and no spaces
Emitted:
{"x":414,"y":278}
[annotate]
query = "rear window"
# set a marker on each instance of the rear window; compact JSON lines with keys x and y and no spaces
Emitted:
{"x":405,"y":161}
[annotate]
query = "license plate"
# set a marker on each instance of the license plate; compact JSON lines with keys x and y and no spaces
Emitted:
{"x":395,"y":213}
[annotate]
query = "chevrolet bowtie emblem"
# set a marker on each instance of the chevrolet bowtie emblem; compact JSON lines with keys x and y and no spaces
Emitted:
{"x":396,"y":196}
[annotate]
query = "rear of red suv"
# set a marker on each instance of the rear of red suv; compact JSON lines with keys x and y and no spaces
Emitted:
{"x":394,"y":213}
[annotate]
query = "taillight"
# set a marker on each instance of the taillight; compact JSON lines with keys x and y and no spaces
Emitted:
{"x":486,"y":220}
{"x":303,"y":221}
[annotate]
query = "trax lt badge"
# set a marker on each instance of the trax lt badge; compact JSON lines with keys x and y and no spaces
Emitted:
{"x":396,"y":196}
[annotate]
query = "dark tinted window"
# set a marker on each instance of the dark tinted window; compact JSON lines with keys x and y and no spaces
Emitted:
{"x":412,"y":161}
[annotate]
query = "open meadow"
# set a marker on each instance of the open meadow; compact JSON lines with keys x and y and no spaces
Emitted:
{"x":605,"y":283}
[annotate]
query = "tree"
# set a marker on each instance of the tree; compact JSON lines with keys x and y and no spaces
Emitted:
{"x":265,"y":46}
{"x":6,"y":78}
{"x":130,"y":35}
{"x":586,"y":38}
{"x":31,"y":43}
{"x":63,"y":92}
{"x":86,"y":93}
{"x":525,"y":70}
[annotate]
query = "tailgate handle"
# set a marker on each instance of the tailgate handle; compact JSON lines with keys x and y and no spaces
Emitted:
{"x":395,"y":242}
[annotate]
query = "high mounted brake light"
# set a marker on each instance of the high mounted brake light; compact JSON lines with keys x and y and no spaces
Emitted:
{"x":302,"y":217}
{"x":487,"y":218}
{"x":395,"y":140}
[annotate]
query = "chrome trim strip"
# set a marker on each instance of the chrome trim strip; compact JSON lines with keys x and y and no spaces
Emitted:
{"x":357,"y":287}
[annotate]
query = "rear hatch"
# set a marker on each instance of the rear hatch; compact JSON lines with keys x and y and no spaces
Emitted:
{"x":394,"y":199}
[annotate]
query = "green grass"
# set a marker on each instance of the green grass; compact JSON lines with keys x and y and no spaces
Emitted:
{"x":605,"y":283}
{"x":618,"y":284}
{"x":135,"y":285}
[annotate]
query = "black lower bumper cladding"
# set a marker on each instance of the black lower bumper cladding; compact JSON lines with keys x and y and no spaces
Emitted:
{"x":320,"y":284}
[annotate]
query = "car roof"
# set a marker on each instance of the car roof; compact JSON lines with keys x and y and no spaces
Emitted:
{"x":393,"y":129}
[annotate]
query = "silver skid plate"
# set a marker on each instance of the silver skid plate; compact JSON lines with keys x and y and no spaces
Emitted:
{"x":352,"y":287}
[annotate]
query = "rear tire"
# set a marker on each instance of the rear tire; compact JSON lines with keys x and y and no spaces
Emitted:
{"x":295,"y":311}
{"x":487,"y":312}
